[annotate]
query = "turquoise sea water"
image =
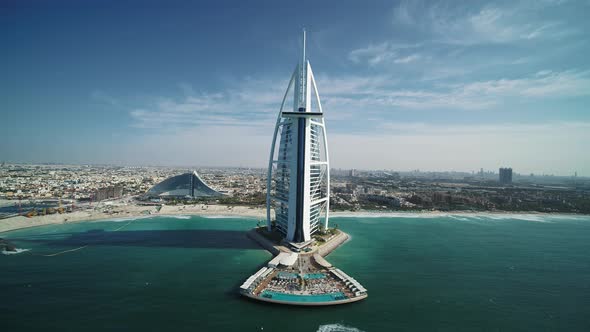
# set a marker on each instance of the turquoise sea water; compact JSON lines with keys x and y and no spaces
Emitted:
{"x":445,"y":273}
{"x":303,"y":298}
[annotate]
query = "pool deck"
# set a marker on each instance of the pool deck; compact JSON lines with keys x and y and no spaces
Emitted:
{"x":311,"y":262}
{"x":349,"y":300}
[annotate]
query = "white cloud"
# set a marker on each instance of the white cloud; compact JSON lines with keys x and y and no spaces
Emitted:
{"x":556,"y":84}
{"x":347,"y":85}
{"x":380,"y":95}
{"x":407,"y":59}
{"x":385,"y":53}
{"x":256,"y":103}
{"x":446,"y":33}
{"x":373,"y":54}
{"x":234,"y":126}
{"x":544,"y":84}
{"x":456,"y":24}
{"x":252,"y":102}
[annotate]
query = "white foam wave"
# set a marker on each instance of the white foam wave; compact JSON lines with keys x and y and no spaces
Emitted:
{"x":534,"y":217}
{"x":17,"y":251}
{"x":124,"y":219}
{"x":384,"y":215}
{"x":183,"y":217}
{"x":337,"y":328}
{"x":461,"y":218}
{"x":218,"y":216}
{"x":524,"y":217}
{"x":470,"y":216}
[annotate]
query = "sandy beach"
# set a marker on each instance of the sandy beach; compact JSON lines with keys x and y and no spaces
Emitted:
{"x":129,"y":211}
{"x":126,"y":210}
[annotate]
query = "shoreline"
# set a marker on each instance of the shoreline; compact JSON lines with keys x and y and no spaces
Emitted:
{"x":109,"y":212}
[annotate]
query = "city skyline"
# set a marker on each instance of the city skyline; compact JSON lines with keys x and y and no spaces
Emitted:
{"x":407,"y":85}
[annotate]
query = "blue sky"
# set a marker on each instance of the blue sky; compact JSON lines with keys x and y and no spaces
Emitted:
{"x":430,"y":85}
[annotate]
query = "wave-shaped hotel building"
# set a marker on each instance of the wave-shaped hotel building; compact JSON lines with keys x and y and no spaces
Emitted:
{"x":298,"y":202}
{"x":189,"y":185}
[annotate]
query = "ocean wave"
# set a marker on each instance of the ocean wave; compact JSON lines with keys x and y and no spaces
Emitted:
{"x":524,"y":217}
{"x":542,"y":218}
{"x":461,"y":218}
{"x":17,"y":251}
{"x":470,"y":216}
{"x":217,"y":216}
{"x":411,"y":215}
{"x":182,"y":216}
{"x":383,"y":215}
{"x":337,"y":328}
{"x":124,"y":219}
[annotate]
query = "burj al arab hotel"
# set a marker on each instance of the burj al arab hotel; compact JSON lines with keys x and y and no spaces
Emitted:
{"x":298,"y":187}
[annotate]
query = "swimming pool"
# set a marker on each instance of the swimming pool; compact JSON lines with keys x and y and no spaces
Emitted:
{"x":303,"y":298}
{"x":287,"y":275}
{"x":314,"y":276}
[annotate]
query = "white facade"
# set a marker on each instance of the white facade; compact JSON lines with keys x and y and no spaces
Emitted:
{"x":298,"y":187}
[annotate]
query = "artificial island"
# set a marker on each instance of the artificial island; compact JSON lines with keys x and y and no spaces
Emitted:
{"x":297,"y":206}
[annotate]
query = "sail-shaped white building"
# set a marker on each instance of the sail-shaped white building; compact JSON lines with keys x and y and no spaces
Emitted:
{"x":298,"y":187}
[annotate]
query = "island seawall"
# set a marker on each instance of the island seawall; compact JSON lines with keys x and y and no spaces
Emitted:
{"x":289,"y":273}
{"x":274,"y":249}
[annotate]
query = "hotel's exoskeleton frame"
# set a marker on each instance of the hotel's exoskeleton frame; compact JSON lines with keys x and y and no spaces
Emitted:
{"x":298,"y":187}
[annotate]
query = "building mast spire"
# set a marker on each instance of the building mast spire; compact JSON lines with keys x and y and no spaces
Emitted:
{"x":301,"y":83}
{"x":303,"y":59}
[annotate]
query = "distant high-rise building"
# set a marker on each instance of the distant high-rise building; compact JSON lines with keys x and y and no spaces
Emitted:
{"x":108,"y":193}
{"x":298,"y":187}
{"x":505,"y":175}
{"x":352,"y":173}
